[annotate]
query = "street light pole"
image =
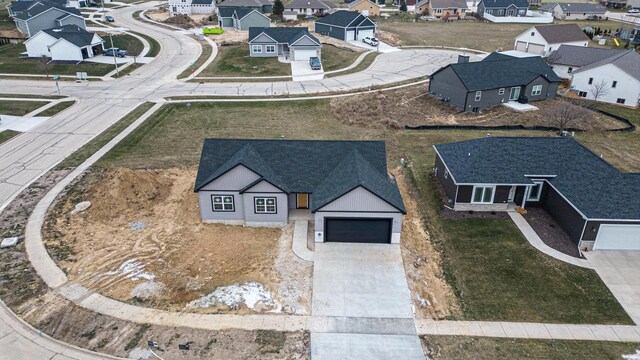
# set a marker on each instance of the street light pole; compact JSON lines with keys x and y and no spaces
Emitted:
{"x":113,"y":51}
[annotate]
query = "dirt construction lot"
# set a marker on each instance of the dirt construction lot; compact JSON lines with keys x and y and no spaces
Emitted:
{"x":142,"y":241}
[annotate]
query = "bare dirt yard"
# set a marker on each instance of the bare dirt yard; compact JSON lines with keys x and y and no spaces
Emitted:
{"x":142,"y":241}
{"x":414,"y":106}
{"x":431,"y":294}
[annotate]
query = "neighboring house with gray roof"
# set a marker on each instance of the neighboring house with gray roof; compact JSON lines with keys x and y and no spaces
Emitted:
{"x":501,"y":8}
{"x":346,"y":25}
{"x":242,"y":18}
{"x":343,"y":186}
{"x":574,"y":11}
{"x":41,"y":15}
{"x":592,"y":201}
{"x":312,"y":7}
{"x":66,"y":43}
{"x":188,"y":7}
{"x":294,"y":43}
{"x":497,"y":79}
{"x":615,"y":79}
{"x":543,"y":39}
{"x":264,"y":6}
{"x":569,"y":58}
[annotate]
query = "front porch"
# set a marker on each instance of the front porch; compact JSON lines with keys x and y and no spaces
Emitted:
{"x":300,"y":215}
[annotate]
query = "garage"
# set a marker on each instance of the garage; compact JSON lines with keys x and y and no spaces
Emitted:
{"x":521,"y":46}
{"x":536,"y":49}
{"x":618,"y":237}
{"x":300,"y":54}
{"x":358,"y":230}
{"x":351,"y":35}
{"x":364,"y":33}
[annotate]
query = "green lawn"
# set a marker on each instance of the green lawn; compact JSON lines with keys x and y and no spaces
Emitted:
{"x":7,"y":135}
{"x":235,"y":61}
{"x":334,"y":58}
{"x":154,"y":45}
{"x":59,"y":107}
{"x":496,"y":274}
{"x":206,"y":52}
{"x":19,"y":108}
{"x":125,"y":42}
{"x":6,"y":23}
{"x":364,"y":64}
{"x":482,"y":348}
{"x":11,"y":63}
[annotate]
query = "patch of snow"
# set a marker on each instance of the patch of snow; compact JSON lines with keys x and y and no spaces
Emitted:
{"x":635,"y":356}
{"x":80,"y":207}
{"x":147,"y":290}
{"x":132,"y":269}
{"x":140,"y":354}
{"x":252,"y":294}
{"x":137,"y":225}
{"x":9,"y":242}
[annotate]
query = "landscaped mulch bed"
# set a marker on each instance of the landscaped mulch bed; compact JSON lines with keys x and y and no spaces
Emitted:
{"x":451,"y":214}
{"x":550,"y":232}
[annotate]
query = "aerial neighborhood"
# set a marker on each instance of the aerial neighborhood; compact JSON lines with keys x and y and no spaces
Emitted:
{"x":319,"y":179}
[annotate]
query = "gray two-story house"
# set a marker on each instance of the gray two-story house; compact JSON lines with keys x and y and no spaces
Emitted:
{"x":264,"y":6}
{"x":474,"y":86}
{"x":343,"y":186}
{"x":294,"y":43}
{"x":43,"y":14}
{"x":503,"y":7}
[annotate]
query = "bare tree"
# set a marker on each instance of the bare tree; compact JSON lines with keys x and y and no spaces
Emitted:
{"x":599,"y":89}
{"x":565,"y":114}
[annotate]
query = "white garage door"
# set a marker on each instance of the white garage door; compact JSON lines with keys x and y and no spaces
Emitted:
{"x":521,"y":46}
{"x":351,"y":35}
{"x":536,"y":49}
{"x":364,"y":33}
{"x":304,"y":54}
{"x":618,"y":237}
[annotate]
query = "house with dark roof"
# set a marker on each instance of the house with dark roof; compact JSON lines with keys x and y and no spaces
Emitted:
{"x":596,"y":204}
{"x":188,"y":7}
{"x":574,"y":11}
{"x":311,"y":7}
{"x":615,"y":79}
{"x":448,"y":9}
{"x":242,"y":18}
{"x":65,"y":43}
{"x":44,"y":14}
{"x":543,"y":39}
{"x":346,"y":25}
{"x":263,"y":6}
{"x":503,"y":8}
{"x":497,"y":79}
{"x":293,"y":43}
{"x":343,"y":186}
{"x":569,"y":58}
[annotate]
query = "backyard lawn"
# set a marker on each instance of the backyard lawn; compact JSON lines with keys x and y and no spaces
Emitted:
{"x":483,"y":348}
{"x":234,"y":60}
{"x":495,"y":273}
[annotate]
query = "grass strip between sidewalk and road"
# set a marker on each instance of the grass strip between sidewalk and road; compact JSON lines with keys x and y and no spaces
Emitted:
{"x":8,"y":135}
{"x":57,"y":108}
{"x":207,"y":49}
{"x":154,"y":45}
{"x":18,"y":107}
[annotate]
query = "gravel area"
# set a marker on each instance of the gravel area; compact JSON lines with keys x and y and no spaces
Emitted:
{"x":550,"y":232}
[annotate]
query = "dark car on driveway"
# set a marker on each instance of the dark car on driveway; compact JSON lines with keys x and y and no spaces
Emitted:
{"x":315,"y":63}
{"x":109,"y":18}
{"x":115,"y":52}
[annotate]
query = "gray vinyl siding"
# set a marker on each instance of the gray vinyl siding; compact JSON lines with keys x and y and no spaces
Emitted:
{"x":267,"y":9}
{"x":281,"y":216}
{"x":481,"y":9}
{"x":563,"y":213}
{"x":320,"y":217}
{"x":47,"y":20}
{"x":464,"y":194}
{"x":358,"y":199}
{"x":72,"y":20}
{"x":235,"y":179}
{"x":332,"y":31}
{"x":447,"y":184}
{"x":206,"y":207}
{"x":226,"y":22}
{"x":548,"y":89}
{"x":492,"y":97}
{"x":502,"y":194}
{"x":263,"y":187}
{"x":253,"y":20}
{"x":22,"y":26}
{"x":262,"y":40}
{"x":592,"y":228}
{"x":446,"y":85}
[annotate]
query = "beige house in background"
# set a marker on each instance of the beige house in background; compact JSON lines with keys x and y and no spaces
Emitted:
{"x":442,"y":8}
{"x":365,"y":7}
{"x":422,"y":7}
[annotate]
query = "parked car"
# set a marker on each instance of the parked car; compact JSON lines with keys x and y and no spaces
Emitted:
{"x":92,"y":4}
{"x":371,"y":41}
{"x":109,"y":18}
{"x":427,"y":18}
{"x":633,"y":11}
{"x":115,"y":52}
{"x":315,"y":63}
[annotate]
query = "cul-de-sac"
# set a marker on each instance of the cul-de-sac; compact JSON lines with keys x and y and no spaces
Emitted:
{"x":319,"y":179}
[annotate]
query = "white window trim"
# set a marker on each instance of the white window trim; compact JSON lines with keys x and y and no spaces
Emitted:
{"x":446,"y":173}
{"x":537,"y":198}
{"x":213,"y":207}
{"x":265,"y":198}
{"x":258,"y":47}
{"x":501,"y":91}
{"x":478,"y":95}
{"x":536,"y":90}
{"x":493,"y":193}
{"x":267,"y":47}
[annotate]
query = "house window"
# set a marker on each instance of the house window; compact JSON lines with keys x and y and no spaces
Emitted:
{"x":533,"y":33}
{"x":256,"y":49}
{"x":265,"y":205}
{"x":475,"y":110}
{"x":483,"y":194}
{"x":537,"y":90}
{"x":222,"y":202}
{"x":613,"y":84}
{"x":590,"y":81}
{"x":478,"y":95}
{"x":569,"y":70}
{"x":582,"y":94}
{"x":438,"y":11}
{"x":270,"y":49}
{"x":536,"y":191}
{"x":501,"y":91}
{"x":620,"y":101}
{"x":446,"y":173}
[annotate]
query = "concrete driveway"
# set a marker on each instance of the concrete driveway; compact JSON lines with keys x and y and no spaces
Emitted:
{"x":382,"y":47}
{"x":301,"y":71}
{"x":620,"y":271}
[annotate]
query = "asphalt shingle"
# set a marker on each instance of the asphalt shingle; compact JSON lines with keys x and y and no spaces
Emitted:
{"x":556,"y":34}
{"x":505,"y":3}
{"x":72,"y":33}
{"x":581,"y":55}
{"x":283,"y":35}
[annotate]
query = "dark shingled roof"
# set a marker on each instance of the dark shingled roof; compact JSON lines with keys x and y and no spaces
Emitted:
{"x":283,"y":35}
{"x":243,"y":11}
{"x":226,"y":12}
{"x":72,"y":33}
{"x":498,"y":71}
{"x":555,"y":34}
{"x":581,"y":55}
{"x":595,"y":187}
{"x":627,"y":61}
{"x":311,"y":4}
{"x":327,"y":169}
{"x":449,"y":4}
{"x":505,"y":3}
{"x":245,"y":3}
{"x":44,"y":5}
{"x":202,"y":2}
{"x":576,"y":8}
{"x":342,"y":18}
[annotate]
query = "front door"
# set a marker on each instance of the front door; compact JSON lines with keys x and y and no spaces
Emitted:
{"x":512,"y":194}
{"x":302,"y":201}
{"x":514,"y":93}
